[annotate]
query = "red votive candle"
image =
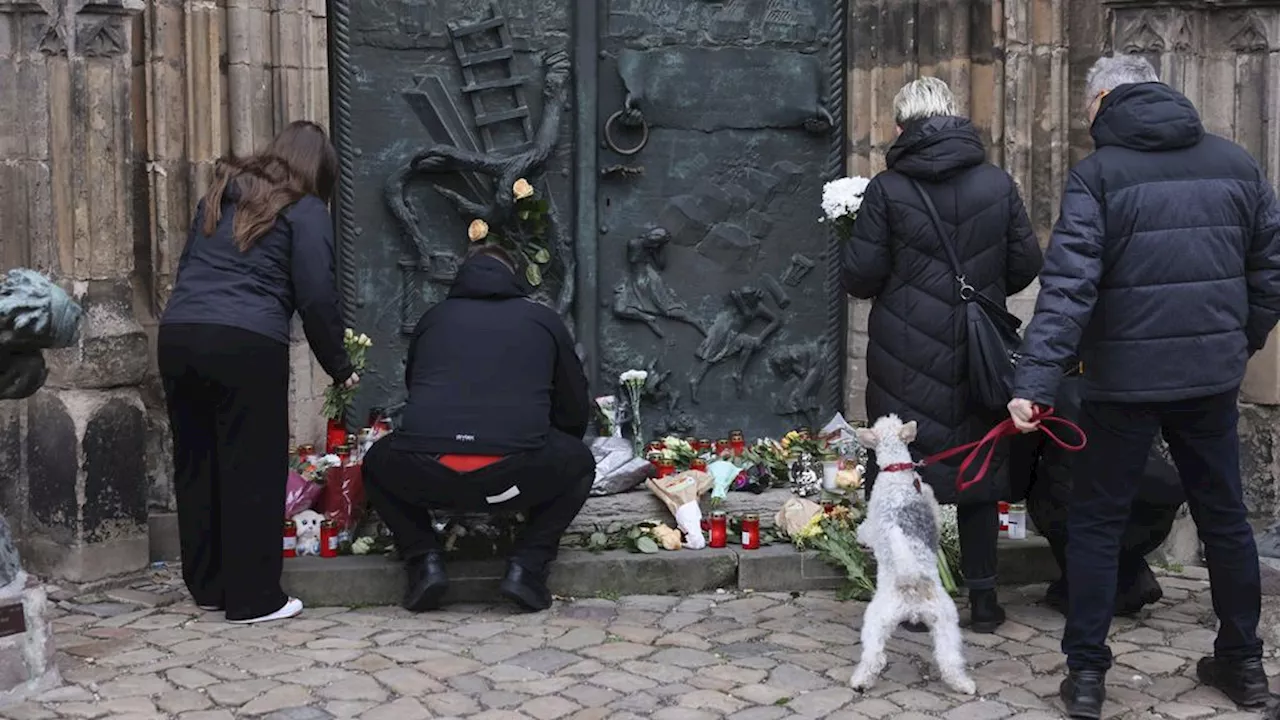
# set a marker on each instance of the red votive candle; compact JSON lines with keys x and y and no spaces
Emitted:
{"x":719,"y":529}
{"x":751,"y":532}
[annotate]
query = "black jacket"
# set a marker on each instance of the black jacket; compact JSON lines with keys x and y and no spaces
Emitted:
{"x":289,"y":268}
{"x":1164,"y":267}
{"x":490,"y":371}
{"x":917,"y":365}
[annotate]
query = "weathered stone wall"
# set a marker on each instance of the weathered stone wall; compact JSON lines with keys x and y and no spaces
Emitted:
{"x":1018,"y":68}
{"x":1015,"y":66}
{"x":73,"y":479}
{"x":213,"y":78}
{"x":1224,"y":59}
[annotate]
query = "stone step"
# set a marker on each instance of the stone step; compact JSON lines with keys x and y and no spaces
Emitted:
{"x":599,"y":513}
{"x":354,"y":581}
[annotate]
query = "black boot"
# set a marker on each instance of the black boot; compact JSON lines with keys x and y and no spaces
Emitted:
{"x":1143,"y":591}
{"x":526,"y":587}
{"x":985,"y":613}
{"x":1244,"y":681}
{"x":427,"y":583}
{"x":1083,"y":693}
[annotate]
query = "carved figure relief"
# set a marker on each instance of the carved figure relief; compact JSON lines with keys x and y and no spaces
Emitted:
{"x":795,"y":273}
{"x":730,"y":339}
{"x":1250,"y":36}
{"x":725,"y":221}
{"x":1141,"y":36}
{"x":1181,"y":35}
{"x":487,"y":168}
{"x":643,"y":296}
{"x":800,"y":368}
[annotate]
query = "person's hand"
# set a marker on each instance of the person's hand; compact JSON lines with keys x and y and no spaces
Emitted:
{"x":1022,"y":412}
{"x":352,"y":381}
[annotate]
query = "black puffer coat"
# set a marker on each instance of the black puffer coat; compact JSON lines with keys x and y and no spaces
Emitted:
{"x":917,"y":362}
{"x":1164,"y":268}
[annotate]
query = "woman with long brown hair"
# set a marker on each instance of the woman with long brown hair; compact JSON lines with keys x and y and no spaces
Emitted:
{"x":259,"y":249}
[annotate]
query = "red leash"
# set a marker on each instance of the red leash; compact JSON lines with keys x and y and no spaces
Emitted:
{"x":1004,"y":429}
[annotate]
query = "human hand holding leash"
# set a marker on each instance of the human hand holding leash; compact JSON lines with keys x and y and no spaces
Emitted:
{"x":1025,"y":415}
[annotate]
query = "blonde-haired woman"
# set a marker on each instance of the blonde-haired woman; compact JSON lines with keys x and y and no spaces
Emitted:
{"x":917,"y":362}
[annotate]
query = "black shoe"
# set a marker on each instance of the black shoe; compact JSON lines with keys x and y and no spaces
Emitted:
{"x":526,"y":588}
{"x":985,"y":613}
{"x":1244,"y":681}
{"x":1145,"y":590}
{"x":427,"y":583}
{"x":1083,"y":693}
{"x":914,"y":627}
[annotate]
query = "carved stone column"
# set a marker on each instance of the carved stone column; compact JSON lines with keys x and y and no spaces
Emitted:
{"x":66,"y":94}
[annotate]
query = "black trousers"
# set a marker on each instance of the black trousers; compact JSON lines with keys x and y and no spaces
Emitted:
{"x":227,"y":392}
{"x":979,"y":528}
{"x":1205,"y":447}
{"x":549,"y":485}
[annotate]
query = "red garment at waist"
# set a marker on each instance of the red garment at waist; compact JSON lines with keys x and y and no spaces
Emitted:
{"x":467,"y":463}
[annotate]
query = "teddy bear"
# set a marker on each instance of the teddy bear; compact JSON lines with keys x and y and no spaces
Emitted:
{"x":308,"y":524}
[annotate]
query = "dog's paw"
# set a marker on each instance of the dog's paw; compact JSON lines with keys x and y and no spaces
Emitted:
{"x":963,"y":685}
{"x":860,"y":682}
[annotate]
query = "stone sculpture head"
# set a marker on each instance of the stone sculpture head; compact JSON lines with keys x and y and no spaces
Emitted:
{"x":649,"y":247}
{"x":35,"y":315}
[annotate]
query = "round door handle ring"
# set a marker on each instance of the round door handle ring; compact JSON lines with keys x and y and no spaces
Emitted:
{"x":612,"y":122}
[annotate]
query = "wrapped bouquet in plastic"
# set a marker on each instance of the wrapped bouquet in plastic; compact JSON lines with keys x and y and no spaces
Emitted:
{"x":680,"y":493}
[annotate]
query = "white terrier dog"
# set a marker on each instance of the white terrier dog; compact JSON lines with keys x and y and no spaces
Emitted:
{"x":308,"y":524}
{"x":901,"y":528}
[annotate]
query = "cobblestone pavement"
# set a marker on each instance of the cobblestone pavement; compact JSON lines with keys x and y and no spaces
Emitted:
{"x":146,"y":652}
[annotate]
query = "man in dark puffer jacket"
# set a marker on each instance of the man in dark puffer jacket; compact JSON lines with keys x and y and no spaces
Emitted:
{"x":1164,"y":274}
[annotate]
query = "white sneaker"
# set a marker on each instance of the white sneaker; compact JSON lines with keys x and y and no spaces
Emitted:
{"x":290,"y":609}
{"x":210,"y":608}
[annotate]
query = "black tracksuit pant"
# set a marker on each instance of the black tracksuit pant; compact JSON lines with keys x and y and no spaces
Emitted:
{"x":549,"y":485}
{"x":227,"y":392}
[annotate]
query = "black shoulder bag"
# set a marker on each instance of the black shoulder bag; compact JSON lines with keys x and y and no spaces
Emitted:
{"x":993,"y":331}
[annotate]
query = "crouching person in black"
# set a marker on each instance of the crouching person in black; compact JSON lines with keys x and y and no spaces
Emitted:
{"x":1151,"y":516}
{"x":497,"y":410}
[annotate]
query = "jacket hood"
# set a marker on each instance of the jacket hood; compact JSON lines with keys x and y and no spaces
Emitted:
{"x":1147,"y":116}
{"x":936,"y":148}
{"x":486,"y":278}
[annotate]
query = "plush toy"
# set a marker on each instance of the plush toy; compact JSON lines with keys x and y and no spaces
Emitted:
{"x":308,"y":524}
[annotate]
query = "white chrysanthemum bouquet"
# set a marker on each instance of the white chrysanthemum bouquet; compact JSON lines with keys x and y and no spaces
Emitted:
{"x":841,"y":200}
{"x":338,"y":398}
{"x":633,"y":382}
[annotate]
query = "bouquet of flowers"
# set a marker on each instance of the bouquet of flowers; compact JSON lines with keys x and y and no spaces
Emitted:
{"x":799,"y":443}
{"x":679,"y":452}
{"x":633,"y":382}
{"x":841,"y":200}
{"x":306,"y":481}
{"x":338,"y":398}
{"x":607,"y":416}
{"x":524,"y":238}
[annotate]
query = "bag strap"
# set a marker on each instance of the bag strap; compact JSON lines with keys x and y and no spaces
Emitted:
{"x":967,"y":291}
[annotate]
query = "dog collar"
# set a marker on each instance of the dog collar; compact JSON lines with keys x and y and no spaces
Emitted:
{"x":902,"y":467}
{"x":898,"y":467}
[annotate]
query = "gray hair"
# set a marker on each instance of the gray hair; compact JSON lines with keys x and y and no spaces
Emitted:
{"x":1110,"y":73}
{"x":924,"y":98}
